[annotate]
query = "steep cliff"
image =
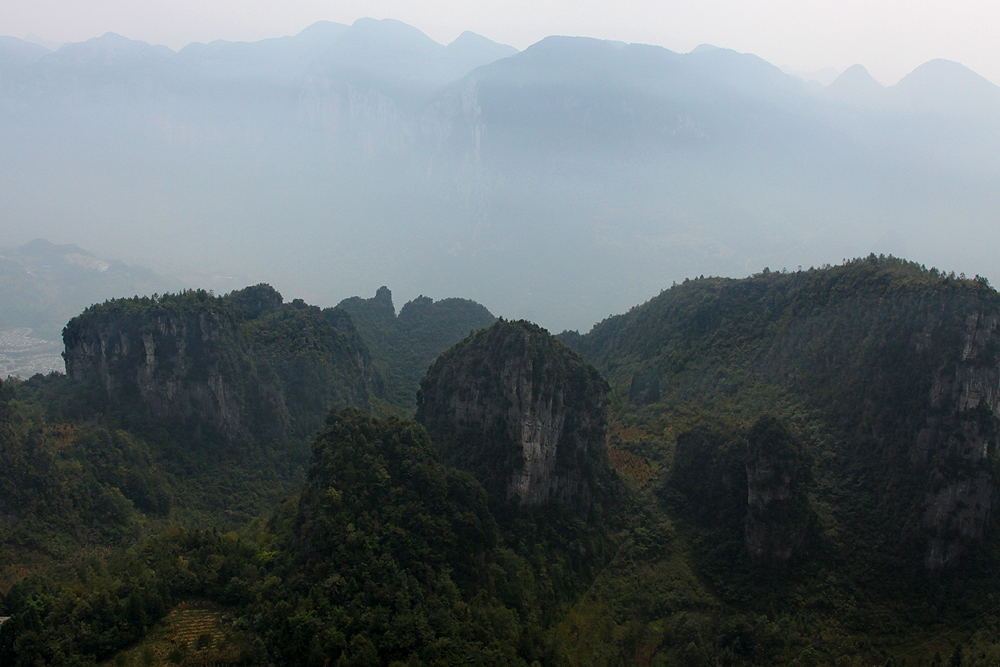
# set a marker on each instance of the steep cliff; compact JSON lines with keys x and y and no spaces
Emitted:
{"x":745,"y":484}
{"x":907,"y":383}
{"x":241,"y":366}
{"x":892,"y":371}
{"x":778,"y":513}
{"x":181,"y":360}
{"x":521,"y":412}
{"x":956,"y":447}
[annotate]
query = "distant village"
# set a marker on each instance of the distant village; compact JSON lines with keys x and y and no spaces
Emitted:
{"x":23,"y":356}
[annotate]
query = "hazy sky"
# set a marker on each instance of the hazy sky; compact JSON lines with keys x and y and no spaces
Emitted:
{"x":889,"y":37}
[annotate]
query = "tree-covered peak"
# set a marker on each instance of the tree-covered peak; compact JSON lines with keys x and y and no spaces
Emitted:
{"x":520,"y":411}
{"x":717,"y":311}
{"x":256,"y":299}
{"x":405,"y":345}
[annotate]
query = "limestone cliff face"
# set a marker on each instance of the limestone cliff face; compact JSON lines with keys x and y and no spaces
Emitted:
{"x":956,"y":448}
{"x":778,"y":512}
{"x":520,"y":411}
{"x":179,"y":365}
{"x":239,"y":366}
{"x":913,"y":378}
{"x":897,"y":368}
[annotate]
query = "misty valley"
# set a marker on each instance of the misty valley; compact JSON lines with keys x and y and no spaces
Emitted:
{"x":559,"y":184}
{"x":213,"y":454}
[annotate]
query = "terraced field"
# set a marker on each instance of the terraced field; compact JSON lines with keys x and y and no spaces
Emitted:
{"x":194,"y":634}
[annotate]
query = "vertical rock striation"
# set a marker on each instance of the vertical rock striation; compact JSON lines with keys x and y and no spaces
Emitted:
{"x":181,"y":364}
{"x":896,"y":369}
{"x":956,"y":449}
{"x":778,"y":513}
{"x":242,"y":366}
{"x":521,"y":412}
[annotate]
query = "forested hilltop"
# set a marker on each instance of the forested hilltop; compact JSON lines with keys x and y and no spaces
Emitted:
{"x":405,"y":345}
{"x":385,"y":554}
{"x":187,"y":408}
{"x":796,"y":468}
{"x":891,"y":370}
{"x":836,"y":427}
{"x":199,"y":409}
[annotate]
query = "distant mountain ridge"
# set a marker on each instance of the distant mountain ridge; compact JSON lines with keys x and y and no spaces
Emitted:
{"x":43,"y":285}
{"x":512,"y":174}
{"x":383,"y":47}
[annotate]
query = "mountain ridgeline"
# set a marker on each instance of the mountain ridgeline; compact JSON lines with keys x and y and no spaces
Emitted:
{"x":403,"y":556}
{"x":222,"y":394}
{"x":889,"y":370}
{"x":405,"y":345}
{"x":212,"y":401}
{"x":478,"y":170}
{"x":229,"y":366}
{"x":387,"y":553}
{"x":793,"y":468}
{"x":43,"y":285}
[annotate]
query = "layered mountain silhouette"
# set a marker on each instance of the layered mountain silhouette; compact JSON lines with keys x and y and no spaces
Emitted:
{"x":578,"y":171}
{"x":43,"y":285}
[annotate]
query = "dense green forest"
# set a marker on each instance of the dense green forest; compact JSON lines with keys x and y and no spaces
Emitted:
{"x":405,"y":345}
{"x":796,"y":468}
{"x":227,"y":390}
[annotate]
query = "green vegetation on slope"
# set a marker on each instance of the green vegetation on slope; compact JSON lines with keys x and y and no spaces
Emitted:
{"x":866,"y":359}
{"x":877,"y":376}
{"x":385,"y":555}
{"x":391,"y":556}
{"x":77,"y":615}
{"x":404,"y":346}
{"x":521,"y":412}
{"x":188,"y":408}
{"x":806,"y":473}
{"x":69,"y":488}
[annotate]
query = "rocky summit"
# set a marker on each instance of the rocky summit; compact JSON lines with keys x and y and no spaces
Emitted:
{"x":236,"y":366}
{"x":521,"y":412}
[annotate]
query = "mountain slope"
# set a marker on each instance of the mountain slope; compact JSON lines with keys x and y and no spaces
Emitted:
{"x":522,"y":413}
{"x":802,"y":472}
{"x":892,"y":368}
{"x":945,"y":87}
{"x":406,"y":345}
{"x":230,"y":390}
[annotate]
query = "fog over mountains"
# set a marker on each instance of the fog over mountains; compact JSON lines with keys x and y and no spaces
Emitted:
{"x":562,"y":183}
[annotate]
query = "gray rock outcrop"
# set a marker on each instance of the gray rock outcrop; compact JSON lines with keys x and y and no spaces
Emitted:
{"x":179,"y":365}
{"x":521,"y":412}
{"x":241,"y":367}
{"x":778,"y":513}
{"x":955,"y":446}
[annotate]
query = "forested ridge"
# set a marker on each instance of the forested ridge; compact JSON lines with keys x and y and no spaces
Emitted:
{"x":796,"y":468}
{"x":405,"y":345}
